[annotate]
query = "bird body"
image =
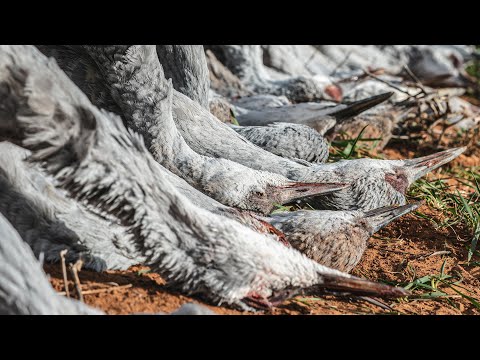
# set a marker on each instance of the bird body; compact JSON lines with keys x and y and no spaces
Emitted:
{"x":49,"y":221}
{"x":246,"y":61}
{"x":187,"y":114}
{"x":138,"y":86}
{"x":207,"y":136}
{"x":316,"y":115}
{"x":297,"y":60}
{"x":336,"y":239}
{"x":293,"y":141}
{"x":187,"y":66}
{"x":433,"y":65}
{"x":97,"y":161}
{"x":368,"y":188}
{"x":261,"y":101}
{"x":24,"y":289}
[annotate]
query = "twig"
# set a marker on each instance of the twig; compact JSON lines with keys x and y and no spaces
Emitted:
{"x":64,"y":271}
{"x":404,"y":137}
{"x":99,"y":291}
{"x":394,"y":251}
{"x":75,"y":269}
{"x":352,"y":78}
{"x":455,"y":120}
{"x":415,"y":79}
{"x":430,"y":299}
{"x":436,"y":253}
{"x":376,"y":302}
{"x":445,"y":126}
{"x":387,"y":83}
{"x":415,"y":257}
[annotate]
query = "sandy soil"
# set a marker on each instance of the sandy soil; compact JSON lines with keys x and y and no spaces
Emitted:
{"x":407,"y":249}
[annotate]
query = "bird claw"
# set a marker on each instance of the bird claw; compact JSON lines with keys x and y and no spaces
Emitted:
{"x":257,"y":301}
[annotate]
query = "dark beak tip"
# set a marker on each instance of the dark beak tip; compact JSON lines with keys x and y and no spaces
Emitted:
{"x":416,"y":205}
{"x":457,"y":151}
{"x":403,"y":292}
{"x":315,"y":187}
{"x":395,"y":292}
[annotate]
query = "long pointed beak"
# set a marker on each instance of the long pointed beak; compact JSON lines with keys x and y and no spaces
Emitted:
{"x":342,"y":285}
{"x":298,"y":190}
{"x":336,"y":284}
{"x":360,"y":106}
{"x":381,"y":217}
{"x":418,"y":167}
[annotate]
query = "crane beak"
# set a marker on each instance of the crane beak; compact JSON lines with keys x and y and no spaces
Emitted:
{"x":298,"y":190}
{"x":383,"y":216}
{"x":416,"y":168}
{"x":333,"y":284}
{"x":343,"y":285}
{"x":360,"y":106}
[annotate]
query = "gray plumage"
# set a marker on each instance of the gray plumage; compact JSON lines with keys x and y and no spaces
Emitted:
{"x":193,"y":309}
{"x":316,"y":115}
{"x":261,"y":101}
{"x":336,"y":239}
{"x":355,"y":89}
{"x":207,"y":136}
{"x":49,"y":221}
{"x":293,"y":141}
{"x":368,"y":190}
{"x":222,"y":80}
{"x":369,"y":187}
{"x":246,"y":61}
{"x":376,"y":183}
{"x":297,"y":60}
{"x":187,"y":66}
{"x":79,"y":66}
{"x":97,"y":161}
{"x":195,"y":123}
{"x":438,"y":65}
{"x":138,"y":87}
{"x":24,"y":288}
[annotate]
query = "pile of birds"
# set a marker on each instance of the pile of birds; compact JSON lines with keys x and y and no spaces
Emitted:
{"x":126,"y":154}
